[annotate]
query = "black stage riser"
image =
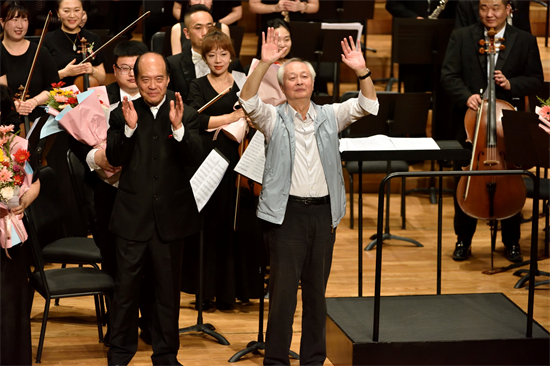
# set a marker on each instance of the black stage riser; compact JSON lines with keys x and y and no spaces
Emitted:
{"x":426,"y":320}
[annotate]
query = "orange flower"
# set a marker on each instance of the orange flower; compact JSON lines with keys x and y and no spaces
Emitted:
{"x":6,"y":163}
{"x":545,"y":112}
{"x":58,"y":85}
{"x":18,"y":179}
{"x":21,"y":156}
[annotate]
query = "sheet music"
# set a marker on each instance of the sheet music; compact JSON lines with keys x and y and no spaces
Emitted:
{"x":207,"y":178}
{"x":352,"y":26}
{"x":252,"y":162}
{"x":383,"y":142}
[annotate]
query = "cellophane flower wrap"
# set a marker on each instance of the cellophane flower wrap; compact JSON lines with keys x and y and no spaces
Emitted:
{"x":544,"y":114}
{"x":14,"y":183}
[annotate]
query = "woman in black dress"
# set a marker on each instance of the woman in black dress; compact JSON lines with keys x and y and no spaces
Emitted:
{"x":64,"y":44}
{"x":16,"y":56}
{"x":219,"y":244}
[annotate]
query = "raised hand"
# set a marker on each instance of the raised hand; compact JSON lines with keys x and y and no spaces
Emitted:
{"x":176,"y":112}
{"x":129,"y":113}
{"x":352,"y":56}
{"x":270,"y":50}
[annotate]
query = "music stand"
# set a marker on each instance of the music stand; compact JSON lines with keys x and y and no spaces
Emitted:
{"x":422,"y":42}
{"x":526,"y":146}
{"x":200,"y":326}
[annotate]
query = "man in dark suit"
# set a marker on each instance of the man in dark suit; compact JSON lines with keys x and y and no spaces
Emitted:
{"x":467,"y":13}
{"x":189,"y":65}
{"x":518,"y":72}
{"x":154,"y":139}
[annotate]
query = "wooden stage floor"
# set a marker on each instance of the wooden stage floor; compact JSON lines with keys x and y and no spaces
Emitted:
{"x":71,"y":337}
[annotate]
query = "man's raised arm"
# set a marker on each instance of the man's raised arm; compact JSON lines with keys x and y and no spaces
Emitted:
{"x":270,"y":54}
{"x":353,"y":57}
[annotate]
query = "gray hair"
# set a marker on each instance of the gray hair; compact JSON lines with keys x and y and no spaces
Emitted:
{"x":281,"y":71}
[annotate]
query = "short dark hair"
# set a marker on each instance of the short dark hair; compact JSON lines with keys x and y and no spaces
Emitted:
{"x":192,"y":10}
{"x":214,"y":39}
{"x":277,"y":23}
{"x":12,"y":8}
{"x":82,"y":2}
{"x":129,"y":48}
{"x":136,"y":66}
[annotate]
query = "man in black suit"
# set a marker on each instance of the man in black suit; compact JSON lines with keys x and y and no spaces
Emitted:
{"x":154,"y":139}
{"x":467,"y":13}
{"x":518,"y":72}
{"x":189,"y":65}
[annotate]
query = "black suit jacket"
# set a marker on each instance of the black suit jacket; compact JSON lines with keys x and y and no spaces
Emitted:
{"x":113,"y":92}
{"x":467,"y":13}
{"x":154,"y":189}
{"x":464,"y":70}
{"x":182,"y":72}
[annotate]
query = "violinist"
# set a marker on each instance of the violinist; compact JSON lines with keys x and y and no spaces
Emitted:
{"x":518,"y":72}
{"x":65,"y":45}
{"x":17,"y":55}
{"x":220,"y":254}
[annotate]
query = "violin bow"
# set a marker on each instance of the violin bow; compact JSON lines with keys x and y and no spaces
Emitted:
{"x":214,"y":100}
{"x":92,"y":54}
{"x":23,"y":95}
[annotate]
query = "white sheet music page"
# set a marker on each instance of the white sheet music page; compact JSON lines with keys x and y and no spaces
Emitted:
{"x":352,"y":26}
{"x":252,"y":162}
{"x":207,"y":178}
{"x":383,"y":142}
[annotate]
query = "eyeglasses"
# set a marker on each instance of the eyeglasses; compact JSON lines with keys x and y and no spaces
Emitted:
{"x":124,"y":69}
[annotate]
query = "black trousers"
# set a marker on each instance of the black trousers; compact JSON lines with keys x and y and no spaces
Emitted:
{"x":165,"y":264}
{"x":300,"y":251}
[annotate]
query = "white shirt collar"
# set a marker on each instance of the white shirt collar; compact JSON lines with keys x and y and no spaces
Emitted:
{"x":196,"y":57}
{"x":156,"y":108}
{"x":311,"y":113}
{"x":124,"y":94}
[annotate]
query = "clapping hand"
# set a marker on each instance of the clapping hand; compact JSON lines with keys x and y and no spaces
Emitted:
{"x":270,"y":50}
{"x":176,"y":112}
{"x":352,"y":56}
{"x":129,"y":113}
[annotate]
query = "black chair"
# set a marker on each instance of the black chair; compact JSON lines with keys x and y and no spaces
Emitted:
{"x":56,"y":246}
{"x":61,"y":282}
{"x":370,"y":126}
{"x":83,"y":191}
{"x":157,"y":42}
{"x":237,"y":35}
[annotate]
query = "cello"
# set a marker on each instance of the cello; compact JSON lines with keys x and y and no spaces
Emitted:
{"x":489,"y":197}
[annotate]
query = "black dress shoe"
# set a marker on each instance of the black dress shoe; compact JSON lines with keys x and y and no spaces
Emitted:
{"x":145,"y":336}
{"x":462,"y":252}
{"x":513,"y":253}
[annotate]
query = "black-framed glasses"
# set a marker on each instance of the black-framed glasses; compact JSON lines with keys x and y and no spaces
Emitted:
{"x":124,"y":69}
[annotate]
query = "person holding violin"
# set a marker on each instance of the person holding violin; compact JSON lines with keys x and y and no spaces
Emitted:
{"x":17,"y":55}
{"x":65,"y":45}
{"x":518,"y":72}
{"x":220,"y":255}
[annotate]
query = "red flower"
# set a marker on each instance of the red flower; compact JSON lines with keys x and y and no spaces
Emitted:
{"x":72,"y":100}
{"x":18,"y":179}
{"x":58,"y":85}
{"x":6,"y":163}
{"x":21,"y":156}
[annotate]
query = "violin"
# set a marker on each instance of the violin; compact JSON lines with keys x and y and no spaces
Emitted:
{"x":489,"y":197}
{"x":85,"y":81}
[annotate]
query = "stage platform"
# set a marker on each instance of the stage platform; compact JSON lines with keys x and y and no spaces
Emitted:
{"x":462,"y":329}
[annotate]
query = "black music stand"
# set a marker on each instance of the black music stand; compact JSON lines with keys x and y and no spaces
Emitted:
{"x":422,"y":42}
{"x":200,"y":326}
{"x":526,"y":146}
{"x":407,"y":117}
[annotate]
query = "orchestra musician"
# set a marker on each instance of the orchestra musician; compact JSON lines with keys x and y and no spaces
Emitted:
{"x":518,"y":72}
{"x":64,"y":45}
{"x":153,"y":138}
{"x":221,"y":260}
{"x":17,"y":55}
{"x":303,"y":197}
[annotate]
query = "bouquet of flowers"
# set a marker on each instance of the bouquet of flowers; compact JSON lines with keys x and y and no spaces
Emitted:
{"x":14,"y":182}
{"x":60,"y":98}
{"x":544,"y":114}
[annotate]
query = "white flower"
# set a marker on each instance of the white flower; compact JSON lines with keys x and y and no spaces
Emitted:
{"x":7,"y":193}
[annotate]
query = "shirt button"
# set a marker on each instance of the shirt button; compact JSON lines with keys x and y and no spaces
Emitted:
{"x":155,"y":137}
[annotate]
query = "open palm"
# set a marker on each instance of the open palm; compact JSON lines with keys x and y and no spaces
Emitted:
{"x":352,"y":55}
{"x":270,"y":50}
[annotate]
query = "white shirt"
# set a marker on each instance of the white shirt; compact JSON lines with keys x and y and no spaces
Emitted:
{"x":178,"y":134}
{"x":201,"y":68}
{"x":308,"y":178}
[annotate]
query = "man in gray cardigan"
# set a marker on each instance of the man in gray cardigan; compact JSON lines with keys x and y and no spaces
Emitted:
{"x":303,"y":197}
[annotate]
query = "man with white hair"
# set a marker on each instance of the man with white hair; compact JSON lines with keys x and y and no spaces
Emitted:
{"x":303,"y":197}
